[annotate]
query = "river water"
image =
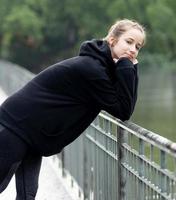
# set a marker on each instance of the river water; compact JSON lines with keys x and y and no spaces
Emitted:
{"x":156,"y":106}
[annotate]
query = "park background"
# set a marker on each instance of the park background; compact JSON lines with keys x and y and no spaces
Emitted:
{"x":37,"y":33}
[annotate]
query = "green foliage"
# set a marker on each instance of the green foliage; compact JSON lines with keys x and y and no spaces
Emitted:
{"x":40,"y":32}
{"x":163,"y":29}
{"x":23,"y":22}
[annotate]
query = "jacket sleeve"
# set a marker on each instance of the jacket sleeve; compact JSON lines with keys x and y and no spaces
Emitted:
{"x":117,"y":98}
{"x":126,"y":85}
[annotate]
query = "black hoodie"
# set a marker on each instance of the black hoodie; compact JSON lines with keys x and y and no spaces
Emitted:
{"x":57,"y":105}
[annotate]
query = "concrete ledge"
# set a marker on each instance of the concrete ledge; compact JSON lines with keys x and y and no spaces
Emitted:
{"x":68,"y":182}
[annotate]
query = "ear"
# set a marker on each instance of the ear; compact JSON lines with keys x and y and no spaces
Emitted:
{"x":112,"y":41}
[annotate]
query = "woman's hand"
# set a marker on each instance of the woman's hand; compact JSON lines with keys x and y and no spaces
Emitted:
{"x":134,"y":61}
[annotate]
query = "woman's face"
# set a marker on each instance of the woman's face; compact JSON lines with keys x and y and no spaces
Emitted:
{"x":127,"y":45}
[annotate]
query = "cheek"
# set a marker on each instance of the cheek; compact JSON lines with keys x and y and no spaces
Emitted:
{"x":118,"y":51}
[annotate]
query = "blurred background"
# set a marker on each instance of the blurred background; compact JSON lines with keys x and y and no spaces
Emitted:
{"x":37,"y":33}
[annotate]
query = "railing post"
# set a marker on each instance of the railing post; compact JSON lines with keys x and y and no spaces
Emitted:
{"x":163,"y":181}
{"x":85,"y":169}
{"x":141,"y":192}
{"x":121,"y":173}
{"x":63,"y":164}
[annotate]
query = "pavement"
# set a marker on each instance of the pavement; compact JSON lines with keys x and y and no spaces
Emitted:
{"x":51,"y":184}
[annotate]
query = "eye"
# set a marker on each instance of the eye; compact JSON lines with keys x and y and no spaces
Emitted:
{"x":138,"y":47}
{"x":128,"y":41}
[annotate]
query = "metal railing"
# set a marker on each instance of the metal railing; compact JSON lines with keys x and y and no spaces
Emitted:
{"x":112,"y":159}
{"x":120,"y":160}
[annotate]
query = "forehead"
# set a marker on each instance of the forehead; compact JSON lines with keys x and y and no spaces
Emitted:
{"x":134,"y":34}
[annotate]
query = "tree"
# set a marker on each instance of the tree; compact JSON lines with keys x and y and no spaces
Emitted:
{"x":40,"y":32}
{"x":163,"y":30}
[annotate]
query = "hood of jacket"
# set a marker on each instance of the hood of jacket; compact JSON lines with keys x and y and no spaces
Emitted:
{"x":97,"y":49}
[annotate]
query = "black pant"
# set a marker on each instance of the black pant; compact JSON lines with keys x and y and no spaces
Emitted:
{"x":15,"y":158}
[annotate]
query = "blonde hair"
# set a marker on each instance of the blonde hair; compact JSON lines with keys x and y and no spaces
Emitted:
{"x":121,"y":26}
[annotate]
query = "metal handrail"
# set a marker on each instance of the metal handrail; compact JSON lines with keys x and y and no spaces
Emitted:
{"x":149,"y":136}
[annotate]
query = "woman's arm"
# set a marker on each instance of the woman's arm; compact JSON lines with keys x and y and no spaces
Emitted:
{"x":117,"y":98}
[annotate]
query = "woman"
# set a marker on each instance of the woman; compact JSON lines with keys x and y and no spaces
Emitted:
{"x":55,"y":107}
